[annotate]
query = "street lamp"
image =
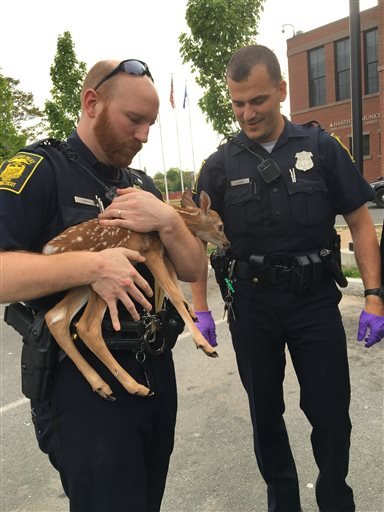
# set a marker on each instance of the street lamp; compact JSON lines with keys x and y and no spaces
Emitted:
{"x":288,"y":25}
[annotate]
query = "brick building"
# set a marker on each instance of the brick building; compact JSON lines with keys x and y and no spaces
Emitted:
{"x":319,"y":82}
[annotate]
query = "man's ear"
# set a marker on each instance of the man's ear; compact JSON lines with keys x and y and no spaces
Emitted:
{"x":283,"y":90}
{"x":90,"y":101}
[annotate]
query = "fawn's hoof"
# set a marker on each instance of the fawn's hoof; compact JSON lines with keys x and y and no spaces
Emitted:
{"x":107,"y":395}
{"x":208,"y":352}
{"x":142,"y":391}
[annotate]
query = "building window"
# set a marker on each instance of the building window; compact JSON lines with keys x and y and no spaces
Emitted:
{"x":343,"y":71}
{"x":316,"y":67}
{"x":366,"y":148}
{"x":371,"y":61}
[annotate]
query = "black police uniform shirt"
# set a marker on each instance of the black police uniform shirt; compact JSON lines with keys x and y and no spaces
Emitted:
{"x":295,"y":214}
{"x":43,"y":191}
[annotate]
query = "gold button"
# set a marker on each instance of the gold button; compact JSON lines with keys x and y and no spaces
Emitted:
{"x":255,"y":279}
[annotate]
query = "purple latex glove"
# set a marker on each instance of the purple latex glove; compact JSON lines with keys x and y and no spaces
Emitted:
{"x":206,"y":325}
{"x":375,"y":324}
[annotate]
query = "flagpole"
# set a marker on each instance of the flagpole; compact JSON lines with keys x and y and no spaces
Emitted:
{"x":178,"y":147}
{"x":172,"y":100}
{"x":186,"y":100}
{"x":162,"y":152}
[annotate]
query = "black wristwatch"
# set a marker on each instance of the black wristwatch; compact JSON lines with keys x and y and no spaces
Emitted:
{"x":375,"y":291}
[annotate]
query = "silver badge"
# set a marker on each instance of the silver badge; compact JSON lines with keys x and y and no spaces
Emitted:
{"x":304,"y":161}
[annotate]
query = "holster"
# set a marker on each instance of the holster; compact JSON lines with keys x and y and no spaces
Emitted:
{"x":130,"y":336}
{"x":153,"y":334}
{"x":170,"y":324}
{"x":330,"y":261}
{"x":39,"y":355}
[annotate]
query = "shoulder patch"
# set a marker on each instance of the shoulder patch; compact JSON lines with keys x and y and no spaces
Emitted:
{"x":15,"y":172}
{"x":342,"y":145}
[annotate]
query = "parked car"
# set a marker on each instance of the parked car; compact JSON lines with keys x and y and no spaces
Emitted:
{"x":378,"y":187}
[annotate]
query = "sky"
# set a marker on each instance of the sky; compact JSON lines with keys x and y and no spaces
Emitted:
{"x":147,"y":30}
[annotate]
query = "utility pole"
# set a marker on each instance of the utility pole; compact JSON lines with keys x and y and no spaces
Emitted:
{"x":356,"y":89}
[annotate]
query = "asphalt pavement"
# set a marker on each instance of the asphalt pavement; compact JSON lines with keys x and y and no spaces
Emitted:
{"x":213,"y":467}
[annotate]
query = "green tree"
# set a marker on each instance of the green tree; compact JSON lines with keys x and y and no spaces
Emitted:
{"x":158,"y":180}
{"x":189,"y":179}
{"x":174,"y":180}
{"x":20,"y":120}
{"x":67,"y":75}
{"x":218,"y":28}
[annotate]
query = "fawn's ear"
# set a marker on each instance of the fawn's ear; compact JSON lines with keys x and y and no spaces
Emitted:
{"x":186,"y":200}
{"x":205,"y":202}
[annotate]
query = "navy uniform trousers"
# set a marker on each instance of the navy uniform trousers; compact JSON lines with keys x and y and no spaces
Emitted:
{"x":310,"y":325}
{"x":111,"y":456}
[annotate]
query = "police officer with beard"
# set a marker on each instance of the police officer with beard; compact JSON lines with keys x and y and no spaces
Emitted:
{"x":111,"y":456}
{"x":278,"y":187}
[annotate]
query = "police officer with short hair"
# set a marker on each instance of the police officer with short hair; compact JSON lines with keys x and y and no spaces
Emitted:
{"x":278,"y":187}
{"x":112,"y":455}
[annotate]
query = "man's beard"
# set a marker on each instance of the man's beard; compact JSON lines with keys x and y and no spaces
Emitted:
{"x":118,"y":153}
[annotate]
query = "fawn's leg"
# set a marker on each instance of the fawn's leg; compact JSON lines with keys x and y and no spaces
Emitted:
{"x":89,"y":330}
{"x":58,"y":321}
{"x":154,"y":260}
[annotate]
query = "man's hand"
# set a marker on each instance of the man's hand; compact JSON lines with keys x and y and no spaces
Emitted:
{"x":138,"y":210}
{"x":206,"y":325}
{"x":375,"y":324}
{"x":121,"y":281}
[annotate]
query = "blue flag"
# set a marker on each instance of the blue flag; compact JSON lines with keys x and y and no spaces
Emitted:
{"x":185,"y":96}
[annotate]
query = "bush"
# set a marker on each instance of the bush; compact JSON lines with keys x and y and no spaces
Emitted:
{"x":351,"y":272}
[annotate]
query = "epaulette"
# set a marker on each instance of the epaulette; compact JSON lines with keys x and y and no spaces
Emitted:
{"x":142,"y":180}
{"x":313,"y":124}
{"x":225,"y":140}
{"x":341,"y":143}
{"x":138,"y":176}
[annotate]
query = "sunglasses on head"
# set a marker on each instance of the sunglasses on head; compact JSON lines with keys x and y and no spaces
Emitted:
{"x":131,"y":66}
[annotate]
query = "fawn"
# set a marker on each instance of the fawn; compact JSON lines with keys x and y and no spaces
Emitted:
{"x":202,"y":222}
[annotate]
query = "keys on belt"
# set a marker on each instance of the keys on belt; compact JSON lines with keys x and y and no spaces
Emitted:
{"x":228,"y":300}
